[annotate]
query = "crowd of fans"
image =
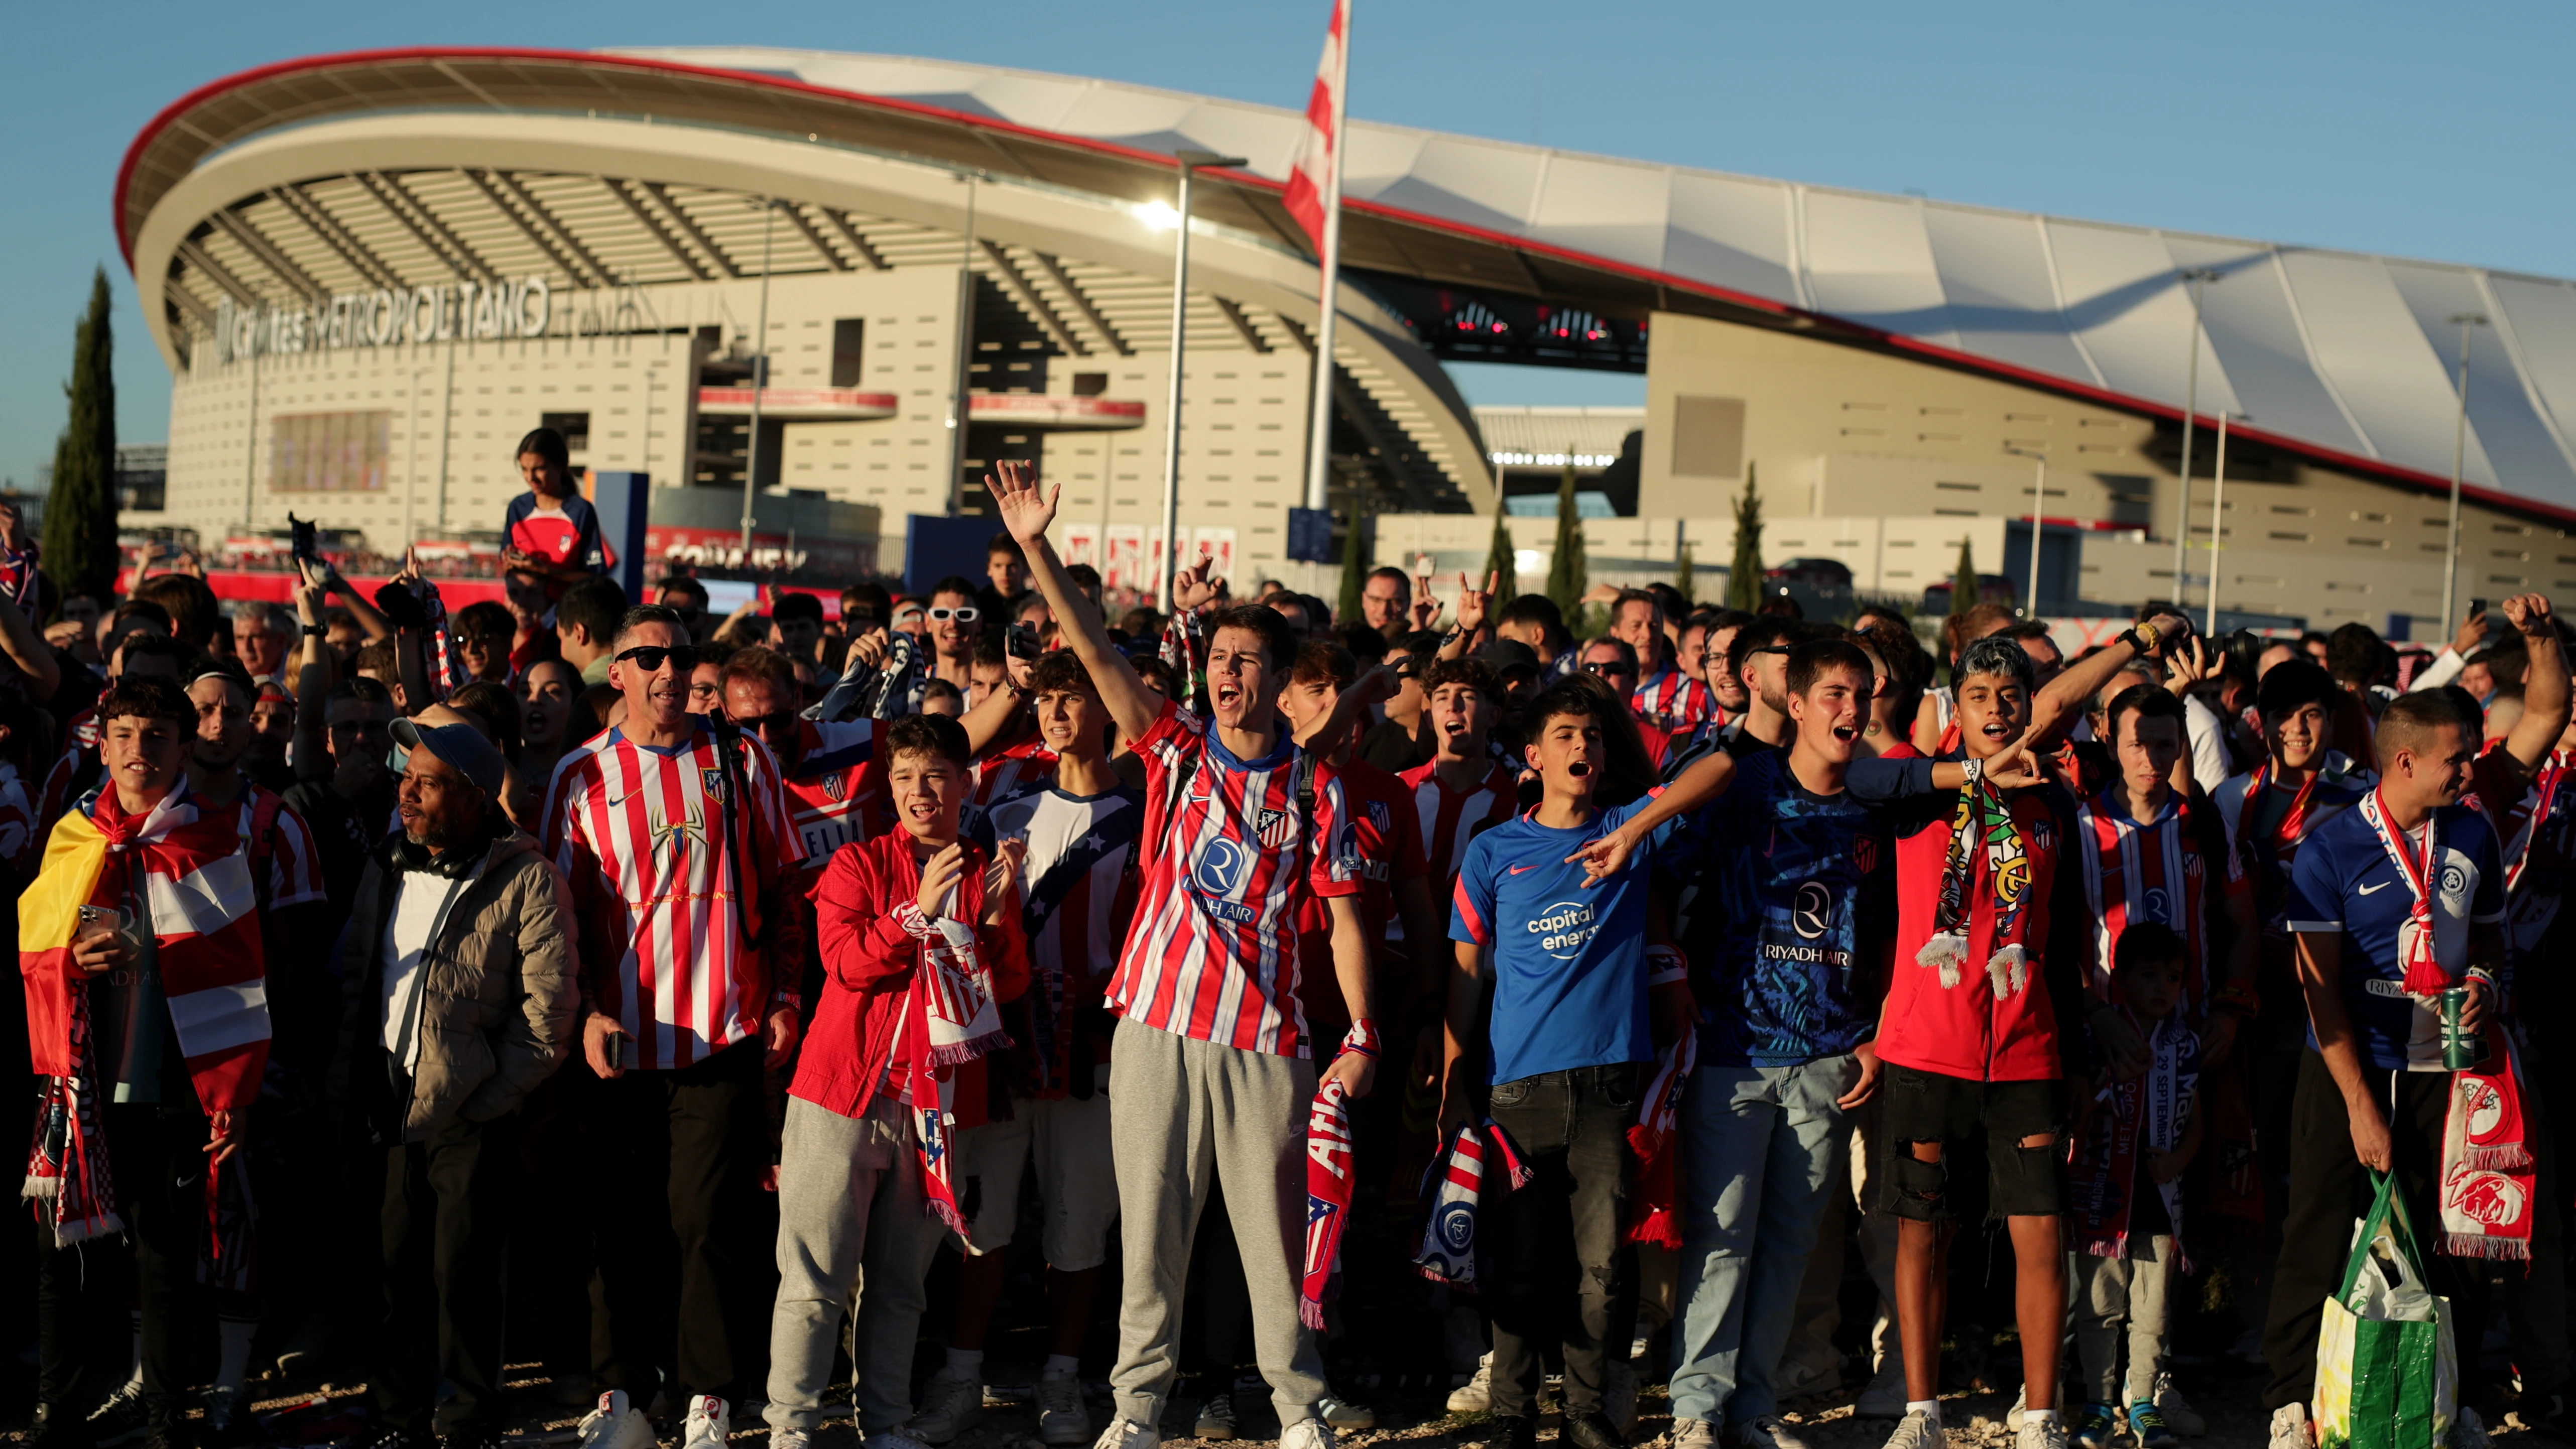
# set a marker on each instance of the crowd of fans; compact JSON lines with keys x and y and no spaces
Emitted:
{"x":679,"y":990}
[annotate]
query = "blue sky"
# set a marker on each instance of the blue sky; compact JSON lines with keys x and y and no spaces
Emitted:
{"x":2427,"y":131}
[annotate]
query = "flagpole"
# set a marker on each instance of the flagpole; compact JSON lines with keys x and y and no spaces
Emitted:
{"x":1319,"y":444}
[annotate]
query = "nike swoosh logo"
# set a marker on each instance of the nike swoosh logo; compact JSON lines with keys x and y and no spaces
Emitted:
{"x":2365,"y":890}
{"x":1516,"y":870}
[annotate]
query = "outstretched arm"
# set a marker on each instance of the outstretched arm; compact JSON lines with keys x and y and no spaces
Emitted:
{"x":2544,"y":689}
{"x":2061,"y":703}
{"x":1026,"y":511}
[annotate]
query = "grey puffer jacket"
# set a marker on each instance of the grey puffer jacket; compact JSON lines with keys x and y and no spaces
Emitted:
{"x":498,"y":1007}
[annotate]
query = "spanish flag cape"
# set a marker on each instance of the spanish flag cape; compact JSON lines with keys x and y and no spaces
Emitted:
{"x":192,"y":872}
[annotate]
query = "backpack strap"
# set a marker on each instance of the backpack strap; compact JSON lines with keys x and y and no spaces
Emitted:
{"x":259,"y":839}
{"x":729,"y":743}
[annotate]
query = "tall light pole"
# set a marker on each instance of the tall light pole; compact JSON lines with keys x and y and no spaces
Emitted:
{"x":959,"y":385}
{"x":759,"y":375}
{"x":2459,"y":450}
{"x":1190,"y":160}
{"x":2196,"y":278}
{"x":2038,"y":502}
{"x":2217,"y":524}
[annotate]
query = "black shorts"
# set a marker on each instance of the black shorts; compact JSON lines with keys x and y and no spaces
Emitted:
{"x":2022,"y":1182}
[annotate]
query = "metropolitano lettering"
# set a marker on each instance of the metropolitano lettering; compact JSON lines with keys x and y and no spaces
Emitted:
{"x":386,"y":317}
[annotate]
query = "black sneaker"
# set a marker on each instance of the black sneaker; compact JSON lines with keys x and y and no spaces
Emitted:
{"x":58,"y":1426}
{"x":166,"y":1424}
{"x":1592,"y":1429}
{"x":120,"y":1420}
{"x":470,"y":1439}
{"x":1511,"y":1431}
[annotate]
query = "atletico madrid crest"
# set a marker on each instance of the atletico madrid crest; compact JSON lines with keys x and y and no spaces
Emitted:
{"x":1276,"y":829}
{"x":835,"y":785}
{"x":713,"y":781}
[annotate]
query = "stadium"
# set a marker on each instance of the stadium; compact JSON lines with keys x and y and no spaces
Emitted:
{"x":371,"y":273}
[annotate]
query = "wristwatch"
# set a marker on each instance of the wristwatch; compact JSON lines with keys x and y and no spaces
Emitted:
{"x":312,"y":631}
{"x":2141,"y":637}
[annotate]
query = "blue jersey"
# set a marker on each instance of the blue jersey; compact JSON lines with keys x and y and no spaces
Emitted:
{"x":1569,"y":963}
{"x":2345,"y":882}
{"x":1799,"y":891}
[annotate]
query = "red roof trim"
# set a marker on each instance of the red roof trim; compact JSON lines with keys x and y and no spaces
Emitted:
{"x":1929,"y":351}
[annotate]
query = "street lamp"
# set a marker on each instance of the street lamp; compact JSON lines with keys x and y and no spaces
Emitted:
{"x":961,"y":381}
{"x":2038,"y":504}
{"x":1190,"y":160}
{"x":2217,"y":523}
{"x":2197,"y":278}
{"x":759,"y":375}
{"x":2459,"y":447}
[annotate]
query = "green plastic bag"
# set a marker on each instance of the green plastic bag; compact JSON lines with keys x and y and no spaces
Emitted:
{"x":2388,"y":1374}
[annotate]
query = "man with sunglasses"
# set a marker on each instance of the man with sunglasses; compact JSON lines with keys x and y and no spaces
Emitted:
{"x":952,"y":621}
{"x":676,"y":841}
{"x":1614,"y":662}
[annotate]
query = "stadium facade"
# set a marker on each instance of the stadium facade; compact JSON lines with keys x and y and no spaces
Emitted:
{"x":370,"y":273}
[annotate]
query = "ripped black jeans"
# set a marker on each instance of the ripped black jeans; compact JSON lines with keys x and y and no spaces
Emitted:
{"x":1572,"y":1132}
{"x":1917,"y":1106}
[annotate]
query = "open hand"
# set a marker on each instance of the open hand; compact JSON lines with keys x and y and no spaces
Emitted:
{"x":224,"y":1132}
{"x":2186,"y":663}
{"x":1026,"y":509}
{"x":940,"y":876}
{"x":1003,"y":875}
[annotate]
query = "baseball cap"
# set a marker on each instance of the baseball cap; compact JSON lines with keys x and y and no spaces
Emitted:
{"x":460,"y":745}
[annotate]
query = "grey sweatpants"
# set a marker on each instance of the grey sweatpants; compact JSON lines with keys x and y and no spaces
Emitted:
{"x":849,"y":1193}
{"x":2118,"y":1298}
{"x":1187,"y":1111}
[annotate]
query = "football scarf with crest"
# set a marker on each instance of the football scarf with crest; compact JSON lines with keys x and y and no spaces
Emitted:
{"x":949,"y":1019}
{"x":1451,"y":1192}
{"x":1986,"y":846}
{"x":2489,"y":1182}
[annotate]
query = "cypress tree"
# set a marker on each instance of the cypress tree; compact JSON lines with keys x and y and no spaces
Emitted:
{"x":80,"y":511}
{"x":1744,"y":570}
{"x":1499,"y":558}
{"x":1685,"y":575}
{"x":1354,"y":560}
{"x":1565,"y":584}
{"x":1963,"y":581}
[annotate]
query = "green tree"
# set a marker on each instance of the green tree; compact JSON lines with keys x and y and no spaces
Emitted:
{"x":1685,"y":576}
{"x":1355,"y":557}
{"x":1744,"y":570}
{"x":1565,"y":583}
{"x":1963,"y":581}
{"x":1499,"y":558}
{"x":80,"y":512}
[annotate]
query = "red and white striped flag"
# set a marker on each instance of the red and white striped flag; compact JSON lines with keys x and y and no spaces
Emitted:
{"x":1314,"y":187}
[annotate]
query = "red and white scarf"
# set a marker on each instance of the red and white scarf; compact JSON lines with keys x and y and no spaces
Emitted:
{"x":2142,"y":871}
{"x":1328,"y":1201}
{"x":1447,"y":1242}
{"x":2415,"y":945}
{"x":949,"y":1020}
{"x":1656,"y":1139}
{"x":2488,"y":1179}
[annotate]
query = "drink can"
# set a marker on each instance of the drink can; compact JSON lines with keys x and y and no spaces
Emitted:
{"x":2459,"y":1049}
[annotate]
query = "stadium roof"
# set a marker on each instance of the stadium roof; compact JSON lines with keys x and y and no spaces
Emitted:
{"x":2339,"y":356}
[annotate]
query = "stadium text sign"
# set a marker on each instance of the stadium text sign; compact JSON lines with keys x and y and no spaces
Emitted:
{"x":386,"y":317}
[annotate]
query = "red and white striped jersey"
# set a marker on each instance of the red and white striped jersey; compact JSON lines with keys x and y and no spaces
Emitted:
{"x":1673,"y":702}
{"x":837,"y":794}
{"x":1449,"y":817}
{"x":294,"y":861}
{"x":638,"y":832}
{"x":74,"y":771}
{"x":1079,"y":851}
{"x":1023,"y":767}
{"x":1212,"y":950}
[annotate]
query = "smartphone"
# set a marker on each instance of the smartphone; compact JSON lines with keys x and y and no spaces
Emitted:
{"x":2477,"y":607}
{"x":1022,"y":641}
{"x":307,"y":540}
{"x":616,"y":1050}
{"x":98,"y":921}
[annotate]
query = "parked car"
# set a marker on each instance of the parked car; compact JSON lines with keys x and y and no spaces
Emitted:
{"x":1815,"y":573}
{"x":1991,"y":589}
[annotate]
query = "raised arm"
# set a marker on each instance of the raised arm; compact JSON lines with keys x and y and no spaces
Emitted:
{"x":317,"y":669}
{"x":2062,"y":702}
{"x":1026,"y":511}
{"x":1474,"y":605}
{"x":369,"y":617}
{"x":29,"y":652}
{"x":2544,"y":689}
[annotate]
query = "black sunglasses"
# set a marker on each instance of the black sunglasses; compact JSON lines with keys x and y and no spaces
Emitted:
{"x":649,"y":657}
{"x":1607,"y":666}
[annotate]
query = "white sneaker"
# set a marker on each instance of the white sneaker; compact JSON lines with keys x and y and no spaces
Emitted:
{"x":1216,"y":1417}
{"x":1343,"y":1414}
{"x":2180,"y":1416}
{"x":2012,"y":1416}
{"x":710,"y":1423}
{"x":1916,"y":1431}
{"x":951,"y":1404}
{"x":2468,"y":1431}
{"x":1768,"y":1432}
{"x":615,"y":1424}
{"x":1316,"y":1434}
{"x":791,"y":1439}
{"x":2048,"y":1433}
{"x":1061,"y":1417}
{"x":1693,"y":1434}
{"x":1476,"y":1395}
{"x":1619,"y":1396}
{"x":1127,"y":1434}
{"x":2290,"y":1428}
{"x":1885,"y":1396}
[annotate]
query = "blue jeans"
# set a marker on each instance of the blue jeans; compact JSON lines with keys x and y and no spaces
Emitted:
{"x":1758,"y":1147}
